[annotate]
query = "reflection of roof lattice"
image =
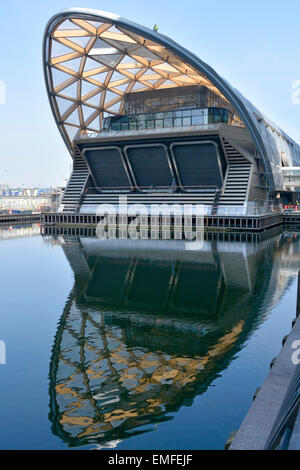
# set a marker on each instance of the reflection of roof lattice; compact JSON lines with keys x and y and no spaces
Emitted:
{"x":105,"y":389}
{"x":93,"y":65}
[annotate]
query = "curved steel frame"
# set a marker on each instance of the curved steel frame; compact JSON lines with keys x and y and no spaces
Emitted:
{"x":245,"y":109}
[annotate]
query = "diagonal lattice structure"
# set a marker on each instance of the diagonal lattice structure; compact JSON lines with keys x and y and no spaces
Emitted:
{"x":93,"y":65}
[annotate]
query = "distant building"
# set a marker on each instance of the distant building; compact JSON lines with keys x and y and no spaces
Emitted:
{"x":142,"y":116}
{"x":32,"y":199}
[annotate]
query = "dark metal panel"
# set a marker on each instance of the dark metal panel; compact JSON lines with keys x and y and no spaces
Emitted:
{"x":150,"y":166}
{"x":107,"y":168}
{"x":196,"y":166}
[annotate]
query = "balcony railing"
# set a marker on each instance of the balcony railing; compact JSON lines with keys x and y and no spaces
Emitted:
{"x":82,"y":135}
{"x":170,"y":121}
{"x":158,"y":120}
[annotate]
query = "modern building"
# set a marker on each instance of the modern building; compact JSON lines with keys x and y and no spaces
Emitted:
{"x":143,"y":117}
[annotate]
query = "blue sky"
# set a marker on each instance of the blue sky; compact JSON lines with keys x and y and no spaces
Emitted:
{"x":254,"y":44}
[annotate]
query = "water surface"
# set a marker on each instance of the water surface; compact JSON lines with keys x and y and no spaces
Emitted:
{"x":137,"y":344}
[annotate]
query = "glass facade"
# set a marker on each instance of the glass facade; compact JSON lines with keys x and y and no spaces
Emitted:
{"x":172,"y":107}
{"x":173,"y":99}
{"x":179,"y":118}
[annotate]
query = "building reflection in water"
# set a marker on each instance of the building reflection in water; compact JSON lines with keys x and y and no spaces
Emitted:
{"x":149,"y":325}
{"x":9,"y":232}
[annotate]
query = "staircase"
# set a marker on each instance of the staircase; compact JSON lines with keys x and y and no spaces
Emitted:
{"x":76,"y":184}
{"x":214,"y":209}
{"x":237,"y":177}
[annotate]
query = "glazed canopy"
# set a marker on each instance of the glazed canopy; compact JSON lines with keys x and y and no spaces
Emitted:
{"x":92,"y":59}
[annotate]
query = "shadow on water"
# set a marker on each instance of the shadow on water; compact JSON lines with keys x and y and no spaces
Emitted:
{"x":149,"y":325}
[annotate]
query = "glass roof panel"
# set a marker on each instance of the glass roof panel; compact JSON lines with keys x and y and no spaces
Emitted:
{"x":67,"y":24}
{"x":95,"y":124}
{"x":63,"y":105}
{"x":118,"y":61}
{"x":146,"y":53}
{"x":58,"y":49}
{"x":110,"y":59}
{"x":71,"y":131}
{"x":58,"y":76}
{"x":96,"y":24}
{"x":87,"y":87}
{"x":70,"y":91}
{"x":80,"y":41}
{"x":73,"y":118}
{"x":94,"y":100}
{"x":87,"y":111}
{"x":72,"y":64}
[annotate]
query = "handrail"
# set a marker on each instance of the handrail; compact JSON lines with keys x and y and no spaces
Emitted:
{"x":283,"y":427}
{"x":158,"y":130}
{"x":80,"y":197}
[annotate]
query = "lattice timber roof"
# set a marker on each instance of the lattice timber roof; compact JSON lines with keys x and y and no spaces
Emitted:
{"x":91,"y":65}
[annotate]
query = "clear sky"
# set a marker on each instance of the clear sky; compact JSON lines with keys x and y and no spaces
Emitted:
{"x":254,"y":44}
